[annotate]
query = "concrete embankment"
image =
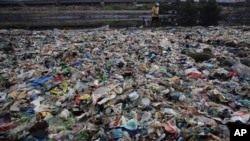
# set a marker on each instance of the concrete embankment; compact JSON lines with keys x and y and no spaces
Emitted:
{"x":83,"y":18}
{"x":66,"y":18}
{"x":37,"y":17}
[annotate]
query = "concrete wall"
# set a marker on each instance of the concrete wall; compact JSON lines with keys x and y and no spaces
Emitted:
{"x":13,"y":19}
{"x":31,"y":2}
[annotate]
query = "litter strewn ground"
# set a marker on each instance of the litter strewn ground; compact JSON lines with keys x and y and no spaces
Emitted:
{"x":173,"y":83}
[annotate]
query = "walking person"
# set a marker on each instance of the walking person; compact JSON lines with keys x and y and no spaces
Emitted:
{"x":155,"y":14}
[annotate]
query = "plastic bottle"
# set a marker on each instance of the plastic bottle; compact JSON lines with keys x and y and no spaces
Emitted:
{"x":104,"y":78}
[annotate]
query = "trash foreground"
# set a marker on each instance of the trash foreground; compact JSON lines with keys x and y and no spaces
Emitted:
{"x":171,"y":83}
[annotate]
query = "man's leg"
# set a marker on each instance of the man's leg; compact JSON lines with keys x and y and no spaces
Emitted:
{"x":159,"y":21}
{"x":152,"y":21}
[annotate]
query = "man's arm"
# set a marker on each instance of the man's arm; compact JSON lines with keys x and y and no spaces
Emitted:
{"x":157,"y":11}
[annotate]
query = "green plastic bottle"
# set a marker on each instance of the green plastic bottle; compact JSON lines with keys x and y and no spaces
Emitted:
{"x":104,"y":78}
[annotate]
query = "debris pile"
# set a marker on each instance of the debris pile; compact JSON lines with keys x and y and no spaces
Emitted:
{"x":124,"y":84}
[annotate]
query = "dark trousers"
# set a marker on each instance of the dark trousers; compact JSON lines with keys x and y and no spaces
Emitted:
{"x":155,"y":20}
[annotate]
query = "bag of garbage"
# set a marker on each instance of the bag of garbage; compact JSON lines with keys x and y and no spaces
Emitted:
{"x":165,"y":43}
{"x":241,"y":69}
{"x":193,"y":72}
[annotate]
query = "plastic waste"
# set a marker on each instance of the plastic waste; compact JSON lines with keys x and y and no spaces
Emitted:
{"x":145,"y":102}
{"x":165,"y":43}
{"x":125,"y":84}
{"x":117,"y":133}
{"x":193,"y":72}
{"x":241,"y":69}
{"x":133,"y":96}
{"x":3,"y":96}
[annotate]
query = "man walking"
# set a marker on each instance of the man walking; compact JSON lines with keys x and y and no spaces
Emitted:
{"x":155,"y":14}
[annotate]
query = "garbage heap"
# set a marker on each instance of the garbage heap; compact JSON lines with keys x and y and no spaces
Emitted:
{"x":170,"y":83}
